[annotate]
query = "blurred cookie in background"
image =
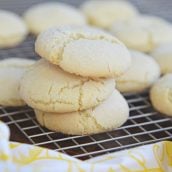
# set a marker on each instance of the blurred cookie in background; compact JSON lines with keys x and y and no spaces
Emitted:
{"x":163,"y":56}
{"x":11,"y":71}
{"x":161,"y":95}
{"x":13,"y":30}
{"x":143,"y":72}
{"x":46,"y":15}
{"x":104,"y":13}
{"x":143,"y":33}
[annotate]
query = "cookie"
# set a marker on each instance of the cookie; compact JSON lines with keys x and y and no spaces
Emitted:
{"x":143,"y":72}
{"x":16,"y":62}
{"x":11,"y":71}
{"x":12,"y":29}
{"x":84,"y":51}
{"x":143,"y":33}
{"x":112,"y":113}
{"x":55,"y":90}
{"x":104,"y":13}
{"x":46,"y":15}
{"x":161,"y":95}
{"x":163,"y":56}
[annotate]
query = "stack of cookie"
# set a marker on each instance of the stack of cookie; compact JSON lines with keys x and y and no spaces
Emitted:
{"x":72,"y":88}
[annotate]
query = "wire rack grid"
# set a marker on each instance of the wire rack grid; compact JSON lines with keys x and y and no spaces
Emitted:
{"x":144,"y":126}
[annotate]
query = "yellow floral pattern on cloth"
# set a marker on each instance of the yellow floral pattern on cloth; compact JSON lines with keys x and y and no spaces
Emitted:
{"x":18,"y":157}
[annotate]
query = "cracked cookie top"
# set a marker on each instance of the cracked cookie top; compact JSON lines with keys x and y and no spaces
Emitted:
{"x":143,"y":72}
{"x":84,"y":51}
{"x":48,"y":88}
{"x":143,"y":33}
{"x":110,"y":114}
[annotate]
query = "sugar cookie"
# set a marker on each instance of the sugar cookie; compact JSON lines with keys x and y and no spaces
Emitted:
{"x":143,"y":33}
{"x":11,"y":71}
{"x":84,"y":51}
{"x":143,"y":72}
{"x":46,"y":15}
{"x":112,"y":113}
{"x":161,"y":95}
{"x":12,"y":29}
{"x":48,"y":88}
{"x":163,"y":56}
{"x":104,"y":13}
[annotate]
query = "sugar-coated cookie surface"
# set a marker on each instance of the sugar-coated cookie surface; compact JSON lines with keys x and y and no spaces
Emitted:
{"x":112,"y":113}
{"x":12,"y":29}
{"x":163,"y":56}
{"x":46,"y":15}
{"x":161,"y":95}
{"x":84,"y":51}
{"x":11,"y":71}
{"x":143,"y":72}
{"x":104,"y":13}
{"x":143,"y":33}
{"x":55,"y":90}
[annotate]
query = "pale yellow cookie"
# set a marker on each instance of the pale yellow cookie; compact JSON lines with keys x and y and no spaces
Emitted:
{"x":48,"y":88}
{"x":84,"y":51}
{"x":104,"y":13}
{"x":143,"y":72}
{"x":143,"y":33}
{"x":109,"y":115}
{"x":12,"y":29}
{"x":46,"y":15}
{"x":11,"y":71}
{"x":163,"y":56}
{"x":161,"y":95}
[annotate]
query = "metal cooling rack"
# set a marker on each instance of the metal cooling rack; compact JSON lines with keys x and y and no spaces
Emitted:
{"x":144,"y":126}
